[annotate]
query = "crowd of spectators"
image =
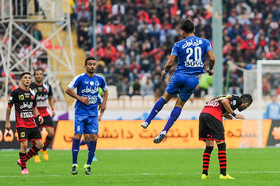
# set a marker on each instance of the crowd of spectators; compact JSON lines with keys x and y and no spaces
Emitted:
{"x":135,"y":37}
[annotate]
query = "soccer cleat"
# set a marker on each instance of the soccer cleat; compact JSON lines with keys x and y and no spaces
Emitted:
{"x":37,"y":159}
{"x":45,"y":155}
{"x":226,"y":177}
{"x":145,"y":125}
{"x":160,"y":137}
{"x":205,"y":177}
{"x":19,"y":163}
{"x":94,"y":158}
{"x":87,"y":169}
{"x":74,"y":169}
{"x":24,"y":171}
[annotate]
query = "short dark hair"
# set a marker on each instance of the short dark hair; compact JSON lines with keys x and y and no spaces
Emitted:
{"x":89,"y":58}
{"x":38,"y":69}
{"x":246,"y":98}
{"x":22,"y":74}
{"x":187,"y":25}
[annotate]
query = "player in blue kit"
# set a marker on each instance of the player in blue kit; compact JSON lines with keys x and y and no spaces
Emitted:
{"x":86,"y":111}
{"x":191,"y":53}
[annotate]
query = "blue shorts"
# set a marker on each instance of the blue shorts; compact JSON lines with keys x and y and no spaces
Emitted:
{"x":86,"y":125}
{"x":182,"y":85}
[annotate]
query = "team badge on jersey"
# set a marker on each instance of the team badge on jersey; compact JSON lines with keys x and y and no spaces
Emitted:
{"x":91,"y":83}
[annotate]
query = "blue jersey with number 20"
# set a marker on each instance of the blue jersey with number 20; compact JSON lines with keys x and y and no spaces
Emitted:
{"x":191,"y":53}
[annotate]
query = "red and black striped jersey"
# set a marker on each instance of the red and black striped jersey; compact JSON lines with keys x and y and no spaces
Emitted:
{"x":24,"y":102}
{"x":43,"y":93}
{"x":216,"y":108}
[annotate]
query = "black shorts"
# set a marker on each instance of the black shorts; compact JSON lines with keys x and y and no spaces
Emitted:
{"x":47,"y":122}
{"x":210,"y":128}
{"x":29,"y":134}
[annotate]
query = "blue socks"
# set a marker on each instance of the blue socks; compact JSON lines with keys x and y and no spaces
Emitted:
{"x":157,"y":107}
{"x":82,"y":142}
{"x":173,"y":117}
{"x":75,"y":150}
{"x":91,"y":151}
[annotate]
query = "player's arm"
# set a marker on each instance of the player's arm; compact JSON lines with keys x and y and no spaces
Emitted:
{"x":211,"y":57}
{"x":51,"y":102}
{"x":71,"y":93}
{"x":226,"y":104}
{"x":102,"y":106}
{"x":168,"y":65}
{"x":100,"y":115}
{"x":37,"y":114}
{"x":8,"y":114}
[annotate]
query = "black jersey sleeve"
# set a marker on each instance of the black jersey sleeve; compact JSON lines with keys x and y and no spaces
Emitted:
{"x":235,"y":102}
{"x":13,"y":98}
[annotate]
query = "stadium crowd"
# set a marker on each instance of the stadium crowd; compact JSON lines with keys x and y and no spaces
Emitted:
{"x":135,"y":37}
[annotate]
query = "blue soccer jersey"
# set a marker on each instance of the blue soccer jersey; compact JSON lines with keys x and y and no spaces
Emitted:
{"x":191,"y":53}
{"x":87,"y":87}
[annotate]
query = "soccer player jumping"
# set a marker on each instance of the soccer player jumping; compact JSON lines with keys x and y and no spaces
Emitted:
{"x":24,"y":100}
{"x":211,"y":127}
{"x":86,"y":111}
{"x":191,"y":52}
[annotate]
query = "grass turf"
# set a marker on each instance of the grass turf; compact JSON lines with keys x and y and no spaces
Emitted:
{"x":144,"y":167}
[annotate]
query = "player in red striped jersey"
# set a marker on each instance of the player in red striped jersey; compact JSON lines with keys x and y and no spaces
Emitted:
{"x":44,"y":99}
{"x":24,"y":100}
{"x":211,"y":127}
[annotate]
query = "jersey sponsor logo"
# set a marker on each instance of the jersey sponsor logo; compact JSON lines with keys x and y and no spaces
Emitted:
{"x":41,"y":97}
{"x":92,"y":99}
{"x":192,"y":43}
{"x":26,"y":105}
{"x":90,"y":90}
{"x":26,"y":114}
{"x":213,"y":103}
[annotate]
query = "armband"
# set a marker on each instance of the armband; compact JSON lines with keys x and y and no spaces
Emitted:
{"x":52,"y":109}
{"x":233,"y":114}
{"x":38,"y":115}
{"x":165,"y":71}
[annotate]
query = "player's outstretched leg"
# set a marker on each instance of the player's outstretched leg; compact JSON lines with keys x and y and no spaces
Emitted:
{"x":160,"y":137}
{"x":206,"y":162}
{"x":173,"y":117}
{"x":157,"y":107}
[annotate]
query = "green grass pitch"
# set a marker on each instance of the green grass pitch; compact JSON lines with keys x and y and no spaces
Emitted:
{"x":144,"y":167}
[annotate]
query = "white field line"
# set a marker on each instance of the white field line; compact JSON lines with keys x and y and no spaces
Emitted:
{"x":146,"y":174}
